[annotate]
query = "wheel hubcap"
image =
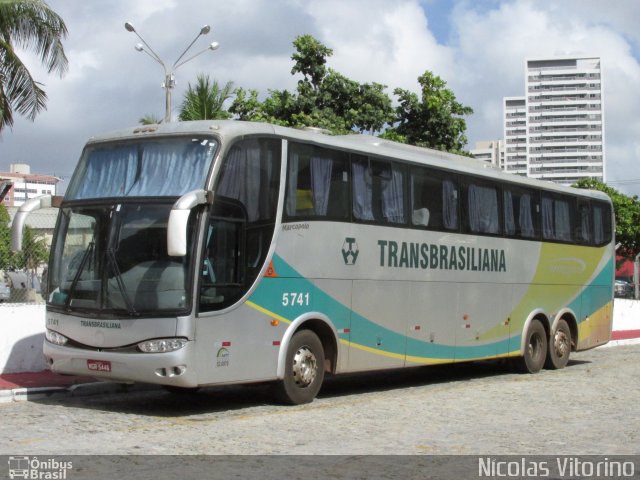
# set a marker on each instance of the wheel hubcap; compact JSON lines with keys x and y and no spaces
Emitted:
{"x":305,"y":366}
{"x":561,"y":343}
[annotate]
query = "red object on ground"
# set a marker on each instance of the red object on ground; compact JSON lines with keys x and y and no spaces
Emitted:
{"x":9,"y":381}
{"x":625,"y":334}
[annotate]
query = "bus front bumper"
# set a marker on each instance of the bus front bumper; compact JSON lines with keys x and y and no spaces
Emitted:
{"x":171,"y":368}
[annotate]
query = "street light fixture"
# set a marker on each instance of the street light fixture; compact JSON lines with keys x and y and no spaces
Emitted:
{"x":169,"y":77}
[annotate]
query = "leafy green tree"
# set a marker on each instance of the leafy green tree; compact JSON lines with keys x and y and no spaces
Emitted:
{"x":35,"y":251}
{"x":7,"y":257}
{"x":205,"y":100}
{"x":32,"y":25}
{"x":327,"y":99}
{"x":310,"y":59}
{"x":434,"y":119}
{"x":324,"y":98}
{"x":627,"y":213}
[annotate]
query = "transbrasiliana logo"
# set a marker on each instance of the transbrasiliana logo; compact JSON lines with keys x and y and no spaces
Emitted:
{"x":40,"y":469}
{"x":350,"y":251}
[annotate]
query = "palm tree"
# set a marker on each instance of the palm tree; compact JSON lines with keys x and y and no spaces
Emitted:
{"x":28,"y":24}
{"x":205,"y":100}
{"x":149,"y":119}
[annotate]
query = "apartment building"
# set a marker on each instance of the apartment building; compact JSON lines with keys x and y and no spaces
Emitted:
{"x":19,"y":184}
{"x":515,"y":135}
{"x":564,"y":119}
{"x":490,"y":151}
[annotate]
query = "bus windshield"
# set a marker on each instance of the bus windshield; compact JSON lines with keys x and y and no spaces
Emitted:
{"x":113,"y":258}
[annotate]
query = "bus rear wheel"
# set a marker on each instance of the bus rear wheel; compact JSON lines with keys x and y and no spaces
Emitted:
{"x":304,"y":369}
{"x":535,"y":348}
{"x":560,"y":347}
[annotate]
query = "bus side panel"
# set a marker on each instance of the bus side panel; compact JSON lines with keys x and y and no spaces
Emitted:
{"x":595,"y":323}
{"x":431,"y":329}
{"x":482,"y":307}
{"x":378,"y":324}
{"x":237,"y":346}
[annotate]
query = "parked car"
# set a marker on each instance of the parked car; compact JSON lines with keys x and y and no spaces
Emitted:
{"x":623,"y":289}
{"x":5,"y":292}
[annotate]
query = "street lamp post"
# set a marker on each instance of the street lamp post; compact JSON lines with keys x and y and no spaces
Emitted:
{"x":169,"y":77}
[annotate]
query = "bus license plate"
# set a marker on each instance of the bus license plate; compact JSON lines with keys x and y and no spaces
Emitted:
{"x":99,"y":365}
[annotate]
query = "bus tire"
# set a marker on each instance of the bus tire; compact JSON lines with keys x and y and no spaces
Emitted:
{"x":535,"y":348}
{"x":304,"y":369}
{"x":559,"y":347}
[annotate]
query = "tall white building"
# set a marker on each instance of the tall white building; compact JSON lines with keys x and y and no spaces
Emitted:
{"x":490,"y":151}
{"x":515,"y":135}
{"x":564,"y":119}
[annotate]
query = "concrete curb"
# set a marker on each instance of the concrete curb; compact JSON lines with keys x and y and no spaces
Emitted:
{"x":23,"y":394}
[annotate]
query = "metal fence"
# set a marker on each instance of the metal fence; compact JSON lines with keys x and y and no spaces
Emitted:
{"x":23,"y":273}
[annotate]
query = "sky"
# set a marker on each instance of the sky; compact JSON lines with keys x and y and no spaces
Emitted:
{"x":478,"y":47}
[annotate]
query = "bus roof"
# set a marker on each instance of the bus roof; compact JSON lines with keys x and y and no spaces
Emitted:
{"x":355,"y":143}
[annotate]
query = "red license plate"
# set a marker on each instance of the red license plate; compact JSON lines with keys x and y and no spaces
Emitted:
{"x":99,"y":365}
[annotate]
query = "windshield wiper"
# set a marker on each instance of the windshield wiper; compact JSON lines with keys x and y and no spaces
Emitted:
{"x":76,"y":277}
{"x":111,"y":256}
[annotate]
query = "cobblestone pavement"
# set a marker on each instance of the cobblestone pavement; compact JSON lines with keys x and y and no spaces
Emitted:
{"x":590,"y":407}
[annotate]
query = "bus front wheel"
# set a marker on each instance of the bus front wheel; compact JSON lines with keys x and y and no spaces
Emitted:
{"x":560,"y":346}
{"x":535,"y":348}
{"x":304,"y":369}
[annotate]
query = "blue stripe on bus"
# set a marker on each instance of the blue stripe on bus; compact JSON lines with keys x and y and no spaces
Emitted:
{"x":269,"y":296}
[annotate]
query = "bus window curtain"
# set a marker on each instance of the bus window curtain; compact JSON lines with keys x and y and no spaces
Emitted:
{"x":241,"y":179}
{"x":585,"y":223}
{"x":526,"y":218}
{"x":393,"y":198}
{"x":562,"y":220}
{"x":509,"y":219}
{"x":170,"y":169}
{"x":321,"y":183}
{"x":362,"y":192}
{"x":547,"y":219}
{"x":107,"y":173}
{"x":598,"y":226}
{"x":292,"y":184}
{"x":155,"y":170}
{"x":450,"y":204}
{"x":483,"y":209}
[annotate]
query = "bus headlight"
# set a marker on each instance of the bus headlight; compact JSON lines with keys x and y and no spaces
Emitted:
{"x":55,"y":337}
{"x":162,"y":345}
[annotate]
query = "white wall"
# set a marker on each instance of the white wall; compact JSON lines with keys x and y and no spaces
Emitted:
{"x":21,"y":337}
{"x":22,"y":333}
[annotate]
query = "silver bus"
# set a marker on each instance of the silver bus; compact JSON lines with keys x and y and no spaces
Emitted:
{"x":204,"y":253}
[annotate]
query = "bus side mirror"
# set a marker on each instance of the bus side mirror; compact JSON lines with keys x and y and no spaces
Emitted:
{"x":179,"y":218}
{"x":45,"y":201}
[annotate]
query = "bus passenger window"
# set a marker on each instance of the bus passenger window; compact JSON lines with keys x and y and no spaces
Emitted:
{"x":556,"y":218}
{"x":378,"y":190}
{"x":520,"y":213}
{"x":602,"y":227}
{"x":583,"y":223}
{"x":434,"y":201}
{"x":482,"y":209}
{"x":317,"y":182}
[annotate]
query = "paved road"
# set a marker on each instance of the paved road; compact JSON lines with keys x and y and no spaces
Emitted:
{"x":590,"y":407}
